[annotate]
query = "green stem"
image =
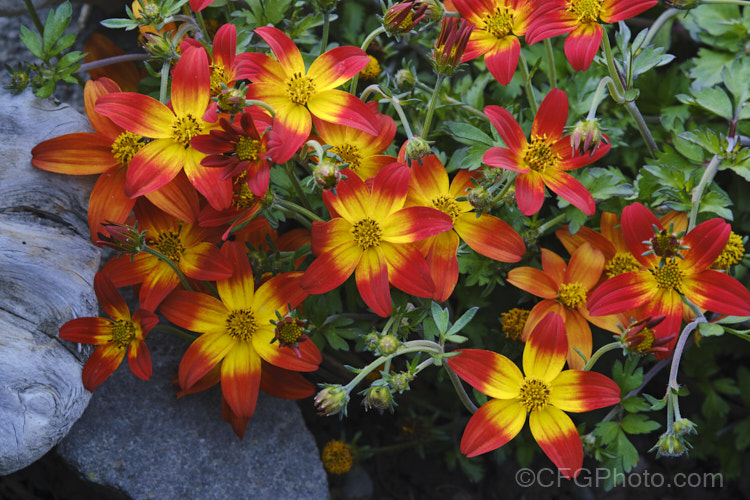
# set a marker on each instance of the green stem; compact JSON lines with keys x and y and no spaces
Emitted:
{"x":610,"y":84}
{"x":294,"y":215}
{"x":113,"y":60}
{"x":658,"y":24}
{"x":164,"y":81}
{"x":630,"y":106}
{"x":174,"y":331}
{"x":289,"y":167}
{"x":377,"y":31}
{"x":599,"y":353}
{"x":202,"y":24}
{"x":680,"y":347}
{"x":456,"y":102}
{"x":550,"y":63}
{"x":462,"y":395}
{"x":289,"y":205}
{"x":326,"y":28}
{"x":550,"y":223}
{"x":172,"y":264}
{"x":728,"y":2}
{"x":395,"y":102}
{"x":708,"y":176}
{"x":34,"y":17}
{"x":508,"y":184}
{"x":530,"y":95}
{"x":262,"y":104}
{"x":432,"y":105}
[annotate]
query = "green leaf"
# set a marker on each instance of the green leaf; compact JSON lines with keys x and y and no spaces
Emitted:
{"x":717,"y":203}
{"x":628,"y":376}
{"x":32,"y":42}
{"x":46,"y":89}
{"x":636,"y":423}
{"x":607,"y":431}
{"x":710,"y":330}
{"x":714,"y":407}
{"x":635,"y":404}
{"x":430,"y":330}
{"x":726,"y":386}
{"x":336,"y":342}
{"x":462,"y":321}
{"x":275,"y":10}
{"x":440,"y":316}
{"x":711,"y":99}
{"x":63,"y":43}
{"x":468,"y":134}
{"x":650,"y":57}
{"x":68,"y":60}
{"x":742,"y":434}
{"x":656,"y":404}
{"x":706,"y":139}
{"x":709,"y":66}
{"x":57,"y":21}
{"x":116,"y":24}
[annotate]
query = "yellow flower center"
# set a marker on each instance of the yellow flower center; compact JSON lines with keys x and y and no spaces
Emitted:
{"x":534,"y":394}
{"x":372,"y":70}
{"x":669,"y":276}
{"x":586,"y":11}
{"x":513,"y":322}
{"x":241,"y":324}
{"x":572,"y":295}
{"x":447,"y":204}
{"x":170,"y":245}
{"x":337,"y":457}
{"x":123,"y":332}
{"x":349,"y":153}
{"x":289,"y":332}
{"x":499,"y":23}
{"x":185,"y":127}
{"x":247,"y":148}
{"x":367,"y":233}
{"x":648,"y":340}
{"x":732,"y":254}
{"x":538,"y":155}
{"x":622,"y":262}
{"x":125,"y":147}
{"x":300,"y":88}
{"x":218,"y":76}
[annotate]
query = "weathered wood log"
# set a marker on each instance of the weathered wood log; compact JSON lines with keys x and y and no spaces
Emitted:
{"x":47,"y":266}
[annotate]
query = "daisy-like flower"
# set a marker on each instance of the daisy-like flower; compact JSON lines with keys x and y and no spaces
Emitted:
{"x":497,"y":26}
{"x":565,"y":290}
{"x":543,"y":391}
{"x":580,"y":18}
{"x":672,"y":266}
{"x":114,"y":337}
{"x":184,"y":244}
{"x":372,"y":232}
{"x":544,"y":159}
{"x":171,"y":129}
{"x":295,"y":92}
{"x":487,"y":235}
{"x":237,"y":331}
{"x":244,"y":207}
{"x":357,"y":148}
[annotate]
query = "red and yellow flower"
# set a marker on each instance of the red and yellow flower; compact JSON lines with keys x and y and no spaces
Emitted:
{"x":580,"y":18}
{"x":565,"y":290}
{"x":295,"y":92}
{"x":486,"y":235}
{"x":544,"y":159}
{"x":184,"y":244}
{"x":497,"y":26}
{"x":371,"y":232}
{"x":237,"y":331}
{"x":171,"y":129}
{"x":114,"y":337}
{"x":672,"y":266}
{"x":545,"y":393}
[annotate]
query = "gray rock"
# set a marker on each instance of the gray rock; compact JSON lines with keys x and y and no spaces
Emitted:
{"x":137,"y":437}
{"x":47,"y":266}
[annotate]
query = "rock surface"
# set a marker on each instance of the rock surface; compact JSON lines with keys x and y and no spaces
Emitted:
{"x":47,"y":266}
{"x":137,"y":437}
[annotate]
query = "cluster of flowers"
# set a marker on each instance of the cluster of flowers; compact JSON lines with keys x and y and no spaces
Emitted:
{"x":184,"y":188}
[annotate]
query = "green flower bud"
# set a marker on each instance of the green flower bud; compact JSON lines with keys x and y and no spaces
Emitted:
{"x":388,"y":344}
{"x":405,"y":80}
{"x":378,"y":397}
{"x":332,"y":400}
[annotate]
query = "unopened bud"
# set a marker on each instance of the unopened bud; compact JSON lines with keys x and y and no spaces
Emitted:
{"x":586,"y":138}
{"x":683,"y":426}
{"x":435,"y":9}
{"x":326,"y":174}
{"x":450,"y":45}
{"x":332,"y":400}
{"x":670,"y":445}
{"x":121,"y":237}
{"x":232,"y":100}
{"x":400,"y":381}
{"x":378,"y":397}
{"x":405,"y":80}
{"x":403,"y":17}
{"x":388,"y":344}
{"x":682,"y":4}
{"x":479,"y":198}
{"x":416,"y":149}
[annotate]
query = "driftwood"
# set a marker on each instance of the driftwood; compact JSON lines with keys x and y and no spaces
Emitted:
{"x":47,"y":265}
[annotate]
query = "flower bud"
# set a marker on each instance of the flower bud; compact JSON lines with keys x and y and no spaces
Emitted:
{"x":450,"y":45}
{"x":378,"y":397}
{"x":480,"y":199}
{"x":400,"y":381}
{"x":372,"y":340}
{"x":326,"y":174}
{"x":123,"y":238}
{"x":160,"y":46}
{"x":435,"y":9}
{"x":682,"y":4}
{"x":405,"y":80}
{"x":684,"y":426}
{"x":416,"y":149}
{"x":670,"y":445}
{"x":586,"y":138}
{"x":232,"y":100}
{"x":289,"y":332}
{"x":327,"y":5}
{"x":19,"y":79}
{"x":403,"y":17}
{"x":332,"y":400}
{"x":388,"y":344}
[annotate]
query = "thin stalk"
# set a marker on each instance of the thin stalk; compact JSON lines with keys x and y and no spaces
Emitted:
{"x":550,"y":63}
{"x":708,"y":176}
{"x":406,"y":348}
{"x":432,"y":105}
{"x":395,"y":102}
{"x":679,"y":348}
{"x":630,"y":106}
{"x":530,"y":95}
{"x":289,"y":167}
{"x":34,"y":16}
{"x":289,"y":205}
{"x":164,"y":81}
{"x":550,"y":223}
{"x":462,"y":395}
{"x":202,"y":25}
{"x":326,"y":29}
{"x":610,"y":84}
{"x":729,"y":2}
{"x":294,"y":215}
{"x":262,"y":104}
{"x":377,"y":31}
{"x":505,"y":189}
{"x":113,"y":60}
{"x":658,"y":24}
{"x":172,"y":264}
{"x":456,"y":102}
{"x":599,"y":353}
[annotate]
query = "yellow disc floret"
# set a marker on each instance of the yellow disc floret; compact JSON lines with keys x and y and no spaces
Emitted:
{"x":447,"y":204}
{"x":732,"y":254}
{"x":372,"y":70}
{"x":367,"y":233}
{"x":622,"y":262}
{"x":241,"y":324}
{"x":586,"y":11}
{"x":123,"y":332}
{"x":337,"y":457}
{"x":300,"y":88}
{"x":125,"y":146}
{"x":669,"y":276}
{"x":349,"y":153}
{"x":247,"y":148}
{"x":170,"y":245}
{"x":185,"y":127}
{"x":514,"y":321}
{"x":499,"y":23}
{"x":538,"y":155}
{"x":534,"y":394}
{"x":572,"y":295}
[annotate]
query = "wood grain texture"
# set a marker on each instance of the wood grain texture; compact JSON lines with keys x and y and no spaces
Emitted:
{"x":47,"y":266}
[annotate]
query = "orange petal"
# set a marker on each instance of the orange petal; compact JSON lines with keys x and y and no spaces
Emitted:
{"x":108,"y":202}
{"x":236,"y":291}
{"x":284,"y":384}
{"x":331,"y":268}
{"x":558,"y":438}
{"x":443,"y":264}
{"x":308,"y":360}
{"x":81,"y":153}
{"x":93,"y":90}
{"x":195,"y":311}
{"x":157,"y":285}
{"x":552,"y":116}
{"x":283,"y":48}
{"x":546,"y":349}
{"x":408,"y":270}
{"x":109,"y":298}
{"x":534,"y":281}
{"x":209,"y":181}
{"x":579,"y":339}
{"x":154,"y":166}
{"x":372,"y":281}
{"x":177,"y":198}
{"x":139,"y":359}
{"x":191,"y":84}
{"x":488,"y":372}
{"x":138,"y":113}
{"x":204,"y":262}
{"x":240,"y":379}
{"x":351,"y":200}
{"x":554,"y":266}
{"x":202,"y":355}
{"x":279,"y":293}
{"x":290,"y":129}
{"x":502,"y":59}
{"x":586,"y":266}
{"x":415,"y":223}
{"x":717,"y":292}
{"x":569,"y":189}
{"x":389,"y":190}
{"x":494,"y":424}
{"x":429,"y":178}
{"x":537,"y":314}
{"x":327,"y":235}
{"x":91,"y":330}
{"x":638,"y":226}
{"x":101,"y":364}
{"x":578,"y":391}
{"x":530,"y":192}
{"x":491,"y":237}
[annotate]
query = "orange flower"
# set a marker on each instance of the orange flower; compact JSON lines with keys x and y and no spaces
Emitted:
{"x":114,"y":337}
{"x":237,"y":331}
{"x":485,"y":234}
{"x":545,"y":393}
{"x":295,"y":92}
{"x":564,"y":289}
{"x":372,"y":233}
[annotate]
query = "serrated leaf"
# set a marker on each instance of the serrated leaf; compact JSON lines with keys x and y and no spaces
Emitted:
{"x":717,"y":203}
{"x":726,"y":386}
{"x":69,"y":59}
{"x":714,"y":407}
{"x":336,"y":342}
{"x":607,"y":431}
{"x":636,"y":423}
{"x":635,"y":404}
{"x":46,"y":89}
{"x":650,"y":57}
{"x":468,"y":134}
{"x":32,"y":42}
{"x":57,"y":21}
{"x":710,"y":330}
{"x":706,"y":139}
{"x":708,"y":67}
